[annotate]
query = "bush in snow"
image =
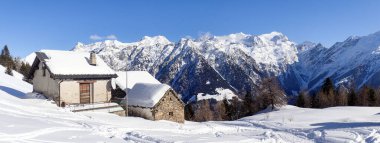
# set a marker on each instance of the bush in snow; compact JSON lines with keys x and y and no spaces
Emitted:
{"x":9,"y":71}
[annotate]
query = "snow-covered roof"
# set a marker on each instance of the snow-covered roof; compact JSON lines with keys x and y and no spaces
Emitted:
{"x":133,"y":78}
{"x":146,"y":94}
{"x":75,"y":64}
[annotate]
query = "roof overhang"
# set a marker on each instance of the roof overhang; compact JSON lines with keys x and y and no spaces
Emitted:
{"x":88,"y":76}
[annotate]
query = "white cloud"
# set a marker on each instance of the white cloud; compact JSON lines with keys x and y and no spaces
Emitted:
{"x":96,"y":37}
{"x":111,"y":37}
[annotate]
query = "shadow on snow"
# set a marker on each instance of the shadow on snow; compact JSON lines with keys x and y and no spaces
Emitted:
{"x":13,"y":92}
{"x":337,"y":125}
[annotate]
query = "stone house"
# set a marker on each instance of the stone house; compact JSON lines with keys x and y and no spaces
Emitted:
{"x":155,"y":102}
{"x":72,"y":78}
{"x":150,"y":99}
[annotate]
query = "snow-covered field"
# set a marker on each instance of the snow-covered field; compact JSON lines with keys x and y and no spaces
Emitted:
{"x":24,"y":119}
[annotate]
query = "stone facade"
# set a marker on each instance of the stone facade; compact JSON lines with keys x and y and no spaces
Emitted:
{"x":119,"y":113}
{"x":142,"y":112}
{"x":170,"y":108}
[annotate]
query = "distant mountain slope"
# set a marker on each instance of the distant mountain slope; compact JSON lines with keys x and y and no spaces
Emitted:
{"x":239,"y":61}
{"x":236,"y":61}
{"x":353,"y":61}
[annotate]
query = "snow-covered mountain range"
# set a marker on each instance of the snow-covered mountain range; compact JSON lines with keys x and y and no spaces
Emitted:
{"x":239,"y":61}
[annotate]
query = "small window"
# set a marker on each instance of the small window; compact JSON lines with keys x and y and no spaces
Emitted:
{"x":43,"y":70}
{"x":170,"y":113}
{"x":170,"y":99}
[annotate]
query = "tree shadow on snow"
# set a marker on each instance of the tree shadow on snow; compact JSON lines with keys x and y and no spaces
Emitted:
{"x":13,"y":92}
{"x":338,"y":125}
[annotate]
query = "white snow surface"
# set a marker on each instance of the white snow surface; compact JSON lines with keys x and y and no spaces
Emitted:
{"x":222,"y":94}
{"x":133,"y":78}
{"x":30,"y":58}
{"x":146,"y":94}
{"x":40,"y":120}
{"x":15,"y":73}
{"x":75,"y":63}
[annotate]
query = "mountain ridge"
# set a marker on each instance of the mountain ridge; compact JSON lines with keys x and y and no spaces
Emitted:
{"x":242,"y":60}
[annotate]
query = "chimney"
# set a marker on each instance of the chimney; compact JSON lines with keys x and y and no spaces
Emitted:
{"x":93,"y":59}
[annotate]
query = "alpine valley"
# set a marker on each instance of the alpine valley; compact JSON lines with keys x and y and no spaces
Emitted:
{"x":238,"y":62}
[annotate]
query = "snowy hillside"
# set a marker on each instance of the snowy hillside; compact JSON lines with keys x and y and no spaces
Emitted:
{"x":23,"y":119}
{"x":238,"y":62}
{"x":15,"y":73}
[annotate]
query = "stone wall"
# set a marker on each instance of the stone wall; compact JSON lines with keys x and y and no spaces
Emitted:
{"x":170,"y":107}
{"x":145,"y":113}
{"x":120,"y":113}
{"x":45,"y":84}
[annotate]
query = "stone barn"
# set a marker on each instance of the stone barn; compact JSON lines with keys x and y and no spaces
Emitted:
{"x":155,"y":102}
{"x":147,"y":97}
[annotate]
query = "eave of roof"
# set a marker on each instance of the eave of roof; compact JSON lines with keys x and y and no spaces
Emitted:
{"x":85,"y":76}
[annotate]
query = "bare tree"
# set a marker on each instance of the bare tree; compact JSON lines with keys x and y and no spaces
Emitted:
{"x":328,"y":91}
{"x":202,"y":111}
{"x":377,"y":94}
{"x":320,"y":100}
{"x":341,"y":97}
{"x":271,"y":93}
{"x":372,"y":97}
{"x":303,"y":99}
{"x":363,"y":96}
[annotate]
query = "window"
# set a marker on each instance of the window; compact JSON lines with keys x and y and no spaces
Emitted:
{"x":43,"y":70}
{"x":170,"y":113}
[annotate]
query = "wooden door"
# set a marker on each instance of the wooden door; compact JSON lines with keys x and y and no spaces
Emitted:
{"x":85,"y":93}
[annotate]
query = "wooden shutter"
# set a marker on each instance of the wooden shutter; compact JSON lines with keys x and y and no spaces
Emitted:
{"x":85,"y":93}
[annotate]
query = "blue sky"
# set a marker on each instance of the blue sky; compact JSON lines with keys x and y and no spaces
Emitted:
{"x":27,"y":26}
